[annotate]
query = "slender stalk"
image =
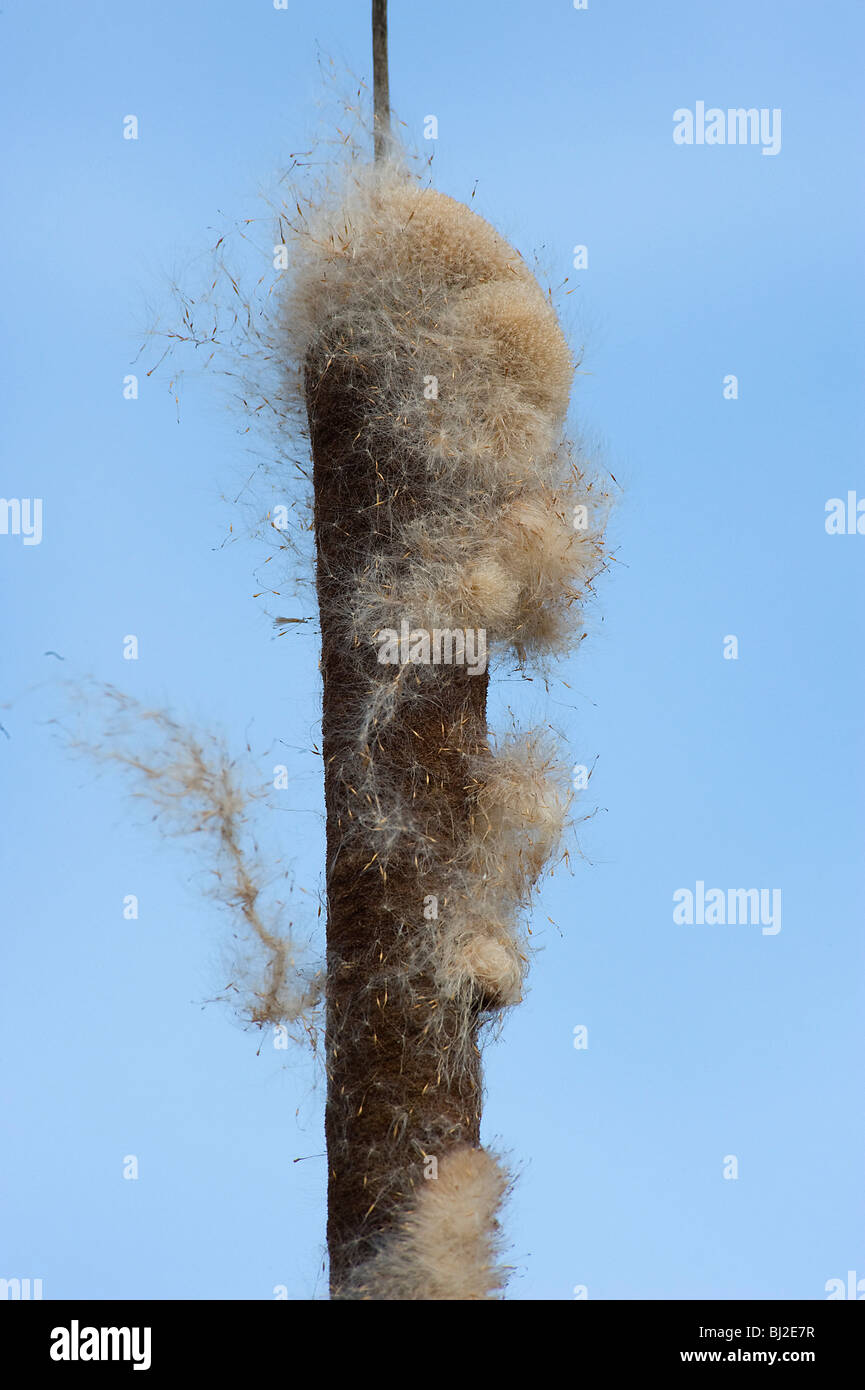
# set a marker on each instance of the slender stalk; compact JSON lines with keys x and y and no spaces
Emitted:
{"x":380,"y":84}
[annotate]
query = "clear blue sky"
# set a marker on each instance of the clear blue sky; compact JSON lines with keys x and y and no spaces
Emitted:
{"x":703,"y":261}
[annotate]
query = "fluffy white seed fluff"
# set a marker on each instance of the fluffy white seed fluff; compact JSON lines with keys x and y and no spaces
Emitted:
{"x":446,"y":1246}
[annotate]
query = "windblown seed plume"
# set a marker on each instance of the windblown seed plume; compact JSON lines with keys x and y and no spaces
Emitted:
{"x":198,"y":790}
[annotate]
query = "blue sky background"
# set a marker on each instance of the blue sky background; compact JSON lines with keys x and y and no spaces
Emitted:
{"x":703,"y":261}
